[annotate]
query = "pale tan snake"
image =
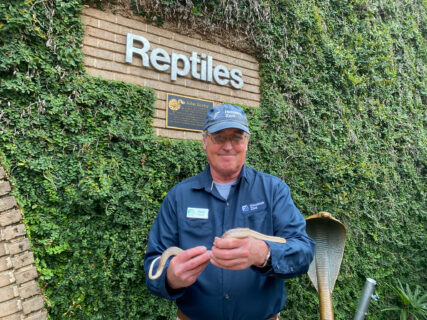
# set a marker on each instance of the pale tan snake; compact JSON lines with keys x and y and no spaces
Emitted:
{"x":232,"y":233}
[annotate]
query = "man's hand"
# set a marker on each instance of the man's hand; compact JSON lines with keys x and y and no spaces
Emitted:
{"x":238,"y":254}
{"x":184,"y":268}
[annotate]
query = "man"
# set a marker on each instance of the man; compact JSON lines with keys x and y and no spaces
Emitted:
{"x":228,"y":278}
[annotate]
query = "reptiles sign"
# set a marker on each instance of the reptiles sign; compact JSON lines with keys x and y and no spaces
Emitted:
{"x":200,"y":66}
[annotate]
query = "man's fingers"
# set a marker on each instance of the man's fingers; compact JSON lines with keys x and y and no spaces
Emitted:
{"x":235,"y":258}
{"x":196,"y":261}
{"x":237,"y":254}
{"x":195,"y":272}
{"x":229,"y":243}
{"x":235,"y":264}
{"x":184,"y":268}
{"x":190,"y":259}
{"x":190,"y":254}
{"x":229,"y":253}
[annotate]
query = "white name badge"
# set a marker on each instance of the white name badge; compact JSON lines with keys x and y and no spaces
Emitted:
{"x":198,"y":213}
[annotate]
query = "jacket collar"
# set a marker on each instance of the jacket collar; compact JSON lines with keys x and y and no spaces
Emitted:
{"x":204,"y":179}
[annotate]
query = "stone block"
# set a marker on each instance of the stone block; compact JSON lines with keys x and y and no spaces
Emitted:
{"x":26,"y":275}
{"x":10,"y":217}
{"x":16,"y":316}
{"x":10,"y":307}
{"x":110,"y":27}
{"x":3,"y":249}
{"x":4,"y":187}
{"x":128,"y":22}
{"x":23,"y":260}
{"x":159,"y":123}
{"x":7,"y":203}
{"x":5,"y":263}
{"x":32,"y":304}
{"x":37,"y":316}
{"x":29,"y":289}
{"x":6,"y":278}
{"x":12,"y":232}
{"x":7,"y":293}
{"x":18,"y":246}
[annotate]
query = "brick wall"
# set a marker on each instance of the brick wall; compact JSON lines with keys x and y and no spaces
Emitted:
{"x":20,"y":295}
{"x":104,"y":46}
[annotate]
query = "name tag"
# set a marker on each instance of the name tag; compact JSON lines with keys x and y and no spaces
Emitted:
{"x":197,"y":213}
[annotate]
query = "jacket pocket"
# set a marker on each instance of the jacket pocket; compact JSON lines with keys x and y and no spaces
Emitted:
{"x":257,"y":220}
{"x":196,"y":232}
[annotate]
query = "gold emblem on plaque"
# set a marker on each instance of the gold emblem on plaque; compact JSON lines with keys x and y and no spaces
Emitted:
{"x":175,"y":104}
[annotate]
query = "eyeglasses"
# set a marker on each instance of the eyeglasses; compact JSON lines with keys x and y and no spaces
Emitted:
{"x":236,"y":139}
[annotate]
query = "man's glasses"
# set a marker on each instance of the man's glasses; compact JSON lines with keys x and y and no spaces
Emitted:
{"x":236,"y":139}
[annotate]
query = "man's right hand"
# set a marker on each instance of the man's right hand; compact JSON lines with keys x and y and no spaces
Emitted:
{"x":185,"y":268}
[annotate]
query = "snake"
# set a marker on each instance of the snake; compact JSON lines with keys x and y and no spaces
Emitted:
{"x":232,"y":233}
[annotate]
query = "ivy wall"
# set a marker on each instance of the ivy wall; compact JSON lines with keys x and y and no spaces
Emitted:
{"x":341,"y":121}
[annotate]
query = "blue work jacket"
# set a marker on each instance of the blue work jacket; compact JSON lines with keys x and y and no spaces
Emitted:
{"x":193,"y":213}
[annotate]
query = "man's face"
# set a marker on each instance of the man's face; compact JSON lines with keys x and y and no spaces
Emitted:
{"x":226,"y":152}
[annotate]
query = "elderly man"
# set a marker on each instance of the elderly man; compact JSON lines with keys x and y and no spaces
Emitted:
{"x":231,"y":278}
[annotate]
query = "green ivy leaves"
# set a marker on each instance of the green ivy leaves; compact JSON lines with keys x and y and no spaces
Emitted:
{"x":341,"y":120}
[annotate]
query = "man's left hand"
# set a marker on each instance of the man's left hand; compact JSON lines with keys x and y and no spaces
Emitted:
{"x":238,"y":254}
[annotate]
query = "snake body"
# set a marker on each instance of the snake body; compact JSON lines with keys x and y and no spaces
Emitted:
{"x":232,"y":233}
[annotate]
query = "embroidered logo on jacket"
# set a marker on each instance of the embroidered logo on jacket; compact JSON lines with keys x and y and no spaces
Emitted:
{"x":253,"y":206}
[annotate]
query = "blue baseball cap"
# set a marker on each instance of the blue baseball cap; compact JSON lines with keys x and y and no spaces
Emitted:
{"x":226,"y":116}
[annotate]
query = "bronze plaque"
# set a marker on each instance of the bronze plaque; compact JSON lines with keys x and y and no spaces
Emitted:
{"x":186,"y":113}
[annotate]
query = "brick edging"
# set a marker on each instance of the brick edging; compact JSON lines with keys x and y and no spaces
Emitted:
{"x":20,"y":295}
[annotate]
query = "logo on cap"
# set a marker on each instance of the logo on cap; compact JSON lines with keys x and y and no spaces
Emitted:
{"x":226,"y":116}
